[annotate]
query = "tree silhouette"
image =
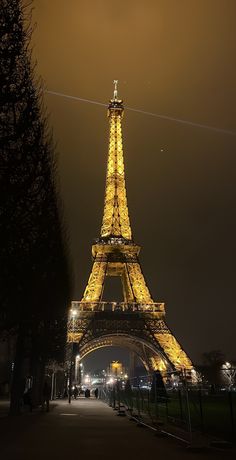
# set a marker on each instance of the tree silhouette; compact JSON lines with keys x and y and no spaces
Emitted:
{"x":211,"y":367}
{"x":34,"y":268}
{"x":213,"y":357}
{"x":158,"y":391}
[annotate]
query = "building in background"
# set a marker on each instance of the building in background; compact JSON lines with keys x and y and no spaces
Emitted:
{"x":116,"y":370}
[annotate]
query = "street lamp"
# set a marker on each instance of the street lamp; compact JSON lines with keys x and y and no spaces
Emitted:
{"x":80,"y":373}
{"x":73,"y":314}
{"x":87,"y":379}
{"x":77,"y":366}
{"x":78,"y":370}
{"x":229,"y":373}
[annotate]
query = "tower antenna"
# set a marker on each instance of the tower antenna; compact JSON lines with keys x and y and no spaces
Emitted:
{"x":115,"y":89}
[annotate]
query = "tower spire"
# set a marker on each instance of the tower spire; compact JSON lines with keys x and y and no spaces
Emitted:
{"x":115,"y":221}
{"x":115,"y":89}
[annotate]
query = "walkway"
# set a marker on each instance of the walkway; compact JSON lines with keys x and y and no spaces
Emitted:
{"x":87,"y":429}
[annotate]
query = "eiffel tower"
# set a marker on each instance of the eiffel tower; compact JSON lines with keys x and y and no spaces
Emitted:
{"x":137,"y":323}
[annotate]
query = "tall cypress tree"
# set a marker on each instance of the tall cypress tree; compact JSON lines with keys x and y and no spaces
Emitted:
{"x":34,"y":268}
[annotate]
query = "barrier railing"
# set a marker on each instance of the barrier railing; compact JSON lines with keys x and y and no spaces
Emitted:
{"x":180,"y":408}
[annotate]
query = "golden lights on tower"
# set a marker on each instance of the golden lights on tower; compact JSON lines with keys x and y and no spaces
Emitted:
{"x":115,"y":254}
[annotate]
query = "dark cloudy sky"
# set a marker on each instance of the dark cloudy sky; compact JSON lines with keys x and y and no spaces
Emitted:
{"x":175,"y":58}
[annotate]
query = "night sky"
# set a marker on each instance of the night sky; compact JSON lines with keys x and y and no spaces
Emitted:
{"x":174,"y":58}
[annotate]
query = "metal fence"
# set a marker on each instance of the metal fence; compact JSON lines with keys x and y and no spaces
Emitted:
{"x":182,"y":408}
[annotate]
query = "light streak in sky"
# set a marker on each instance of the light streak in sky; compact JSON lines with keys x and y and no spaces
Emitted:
{"x":163,"y":117}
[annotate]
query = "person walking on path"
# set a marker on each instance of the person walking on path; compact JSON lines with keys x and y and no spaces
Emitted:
{"x":46,"y":396}
{"x":87,"y":393}
{"x":75,"y":392}
{"x":96,"y":393}
{"x":27,"y":399}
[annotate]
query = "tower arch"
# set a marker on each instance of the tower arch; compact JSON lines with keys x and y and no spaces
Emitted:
{"x":151,"y":357}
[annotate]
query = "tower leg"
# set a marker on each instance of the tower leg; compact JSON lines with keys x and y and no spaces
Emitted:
{"x":94,"y":288}
{"x":131,"y":364}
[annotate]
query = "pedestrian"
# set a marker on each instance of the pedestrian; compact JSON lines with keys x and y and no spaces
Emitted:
{"x":75,"y":392}
{"x":27,"y":399}
{"x":96,"y":393}
{"x":46,"y":395}
{"x":87,"y":393}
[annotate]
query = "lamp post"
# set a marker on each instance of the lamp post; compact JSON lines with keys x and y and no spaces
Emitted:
{"x":229,"y":373}
{"x":73,"y":316}
{"x":80,"y":374}
{"x":78,"y":370}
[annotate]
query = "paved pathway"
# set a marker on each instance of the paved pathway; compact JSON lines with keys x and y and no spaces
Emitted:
{"x":87,"y":429}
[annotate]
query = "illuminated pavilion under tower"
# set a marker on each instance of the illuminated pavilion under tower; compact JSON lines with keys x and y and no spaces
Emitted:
{"x":138,"y":322}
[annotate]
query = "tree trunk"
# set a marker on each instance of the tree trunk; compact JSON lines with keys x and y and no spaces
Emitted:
{"x":18,"y":378}
{"x":38,"y":380}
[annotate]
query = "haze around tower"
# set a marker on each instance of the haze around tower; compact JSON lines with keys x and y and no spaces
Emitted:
{"x":172,"y":58}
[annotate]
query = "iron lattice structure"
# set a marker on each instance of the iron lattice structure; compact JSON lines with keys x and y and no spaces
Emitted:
{"x":138,"y":322}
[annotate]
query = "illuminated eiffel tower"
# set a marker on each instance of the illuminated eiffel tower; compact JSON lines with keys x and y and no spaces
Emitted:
{"x":138,"y":322}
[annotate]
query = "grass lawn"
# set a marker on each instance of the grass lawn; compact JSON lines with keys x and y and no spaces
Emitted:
{"x":211,"y":414}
